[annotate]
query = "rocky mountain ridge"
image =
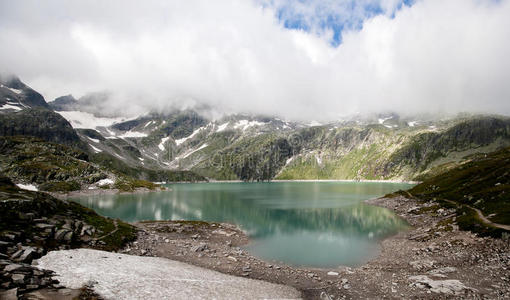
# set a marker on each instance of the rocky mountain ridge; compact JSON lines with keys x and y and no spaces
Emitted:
{"x":185,"y":144}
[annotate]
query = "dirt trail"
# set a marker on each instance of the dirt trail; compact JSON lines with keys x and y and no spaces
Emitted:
{"x":478,"y":212}
{"x":481,"y":216}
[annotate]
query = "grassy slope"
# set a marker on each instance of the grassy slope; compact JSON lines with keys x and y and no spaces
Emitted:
{"x":374,"y":152}
{"x":482,"y":181}
{"x":345,"y":153}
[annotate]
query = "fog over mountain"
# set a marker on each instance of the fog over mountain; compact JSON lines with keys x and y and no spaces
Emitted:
{"x":307,"y":60}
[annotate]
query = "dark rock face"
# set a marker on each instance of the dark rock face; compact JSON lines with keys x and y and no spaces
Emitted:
{"x":91,"y":133}
{"x":426,"y":147}
{"x":128,"y":125}
{"x":64,"y":103}
{"x":26,"y":98}
{"x":264,"y":164}
{"x":41,"y":123}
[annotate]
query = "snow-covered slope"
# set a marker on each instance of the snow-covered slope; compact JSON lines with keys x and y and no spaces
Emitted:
{"x":79,"y":119}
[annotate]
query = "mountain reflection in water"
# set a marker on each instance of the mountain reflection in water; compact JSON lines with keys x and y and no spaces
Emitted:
{"x":319,"y":224}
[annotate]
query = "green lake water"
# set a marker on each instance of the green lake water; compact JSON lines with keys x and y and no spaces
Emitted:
{"x":317,"y":224}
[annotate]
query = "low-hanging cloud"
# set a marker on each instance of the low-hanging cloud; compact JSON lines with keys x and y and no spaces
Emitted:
{"x":237,"y":56}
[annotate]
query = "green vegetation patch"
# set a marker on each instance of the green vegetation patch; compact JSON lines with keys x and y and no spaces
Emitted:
{"x":60,"y":186}
{"x":130,"y":184}
{"x":482,"y":182}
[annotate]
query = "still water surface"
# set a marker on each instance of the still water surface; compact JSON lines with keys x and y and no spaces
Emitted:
{"x":319,"y":224}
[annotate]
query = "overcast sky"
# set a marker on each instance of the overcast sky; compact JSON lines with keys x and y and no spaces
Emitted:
{"x":310,"y":60}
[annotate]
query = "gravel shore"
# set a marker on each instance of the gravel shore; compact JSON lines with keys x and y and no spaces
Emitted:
{"x":431,"y":260}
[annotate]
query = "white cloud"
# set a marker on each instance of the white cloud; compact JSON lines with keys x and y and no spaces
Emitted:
{"x":236,"y":56}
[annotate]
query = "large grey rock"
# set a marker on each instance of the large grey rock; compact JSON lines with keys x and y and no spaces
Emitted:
{"x":44,"y":226}
{"x":27,"y":255}
{"x":443,"y":270}
{"x":12,"y":267}
{"x":17,"y":254}
{"x":59,"y":235}
{"x":18,"y":278}
{"x":449,"y":286}
{"x":68,"y":236}
{"x":422,"y":264}
{"x":11,"y":294}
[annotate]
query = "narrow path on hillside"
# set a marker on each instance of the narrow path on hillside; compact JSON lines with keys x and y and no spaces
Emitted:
{"x":487,"y":221}
{"x":478,"y":212}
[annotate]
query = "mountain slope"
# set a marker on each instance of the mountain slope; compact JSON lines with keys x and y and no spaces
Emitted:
{"x":241,"y":147}
{"x":41,"y":123}
{"x":15,"y":95}
{"x":50,"y":166}
{"x":482,"y":181}
{"x":185,"y":145}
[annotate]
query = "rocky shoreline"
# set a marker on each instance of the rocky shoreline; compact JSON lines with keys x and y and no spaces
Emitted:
{"x":431,"y":260}
{"x":34,"y":224}
{"x":99,"y":191}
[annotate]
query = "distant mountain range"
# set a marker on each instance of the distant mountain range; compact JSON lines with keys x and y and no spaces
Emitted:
{"x":157,"y":146}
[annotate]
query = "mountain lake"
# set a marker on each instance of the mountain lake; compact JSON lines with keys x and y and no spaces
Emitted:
{"x":314,"y":224}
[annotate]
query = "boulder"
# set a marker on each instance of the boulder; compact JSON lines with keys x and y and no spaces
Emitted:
{"x":18,"y":278}
{"x":59,"y":235}
{"x":12,"y":267}
{"x":422,"y":264}
{"x":68,"y":236}
{"x":27,"y":255}
{"x":448,"y":287}
{"x":11,"y":294}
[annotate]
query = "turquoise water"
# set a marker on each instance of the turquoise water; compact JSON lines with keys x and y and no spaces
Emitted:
{"x":318,"y":224}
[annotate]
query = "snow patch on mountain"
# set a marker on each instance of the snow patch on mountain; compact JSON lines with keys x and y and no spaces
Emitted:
{"x":180,"y":141}
{"x":161,"y":145}
{"x":15,"y":91}
{"x":8,"y":106}
{"x":314,"y":123}
{"x":192,"y":151}
{"x":29,"y":187}
{"x":245,"y":124}
{"x":382,"y":120}
{"x":79,"y":119}
{"x":97,"y":150}
{"x":222,"y":127}
{"x":133,"y":134}
{"x":105,"y":181}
